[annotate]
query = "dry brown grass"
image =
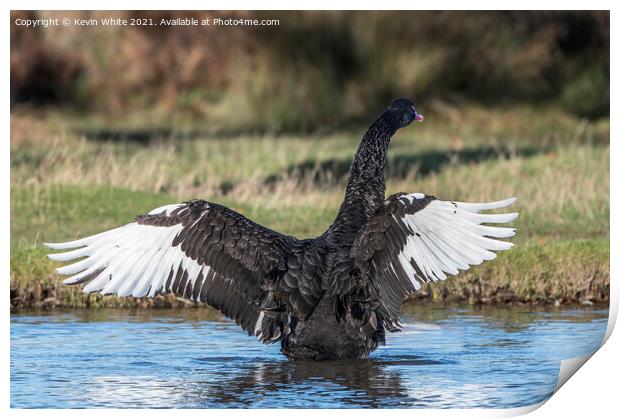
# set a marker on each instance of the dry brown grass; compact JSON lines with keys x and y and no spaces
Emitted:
{"x":561,"y":190}
{"x":65,"y":185}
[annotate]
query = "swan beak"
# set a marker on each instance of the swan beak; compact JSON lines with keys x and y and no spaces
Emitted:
{"x":419,"y":117}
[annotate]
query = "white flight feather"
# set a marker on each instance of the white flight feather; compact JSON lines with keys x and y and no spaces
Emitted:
{"x":425,"y":262}
{"x":259,"y":324}
{"x":404,"y":262}
{"x":123,"y":271}
{"x":133,"y":259}
{"x":166,"y":208}
{"x":454,"y":254}
{"x":73,"y":254}
{"x":478,"y":206}
{"x":83,"y":241}
{"x":450,"y":236}
{"x":129,"y":251}
{"x":142,"y":265}
{"x":440,"y":257}
{"x":148,"y":278}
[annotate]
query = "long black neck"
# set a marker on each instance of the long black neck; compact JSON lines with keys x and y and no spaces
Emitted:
{"x":366,"y":185}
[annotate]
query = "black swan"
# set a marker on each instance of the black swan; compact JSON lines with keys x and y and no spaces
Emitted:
{"x":332,"y":297}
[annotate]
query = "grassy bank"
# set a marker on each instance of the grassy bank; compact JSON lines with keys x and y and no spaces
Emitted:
{"x":563,"y":273}
{"x":67,"y":183}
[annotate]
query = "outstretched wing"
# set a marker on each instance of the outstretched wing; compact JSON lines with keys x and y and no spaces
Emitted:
{"x":198,"y":250}
{"x":415,"y":239}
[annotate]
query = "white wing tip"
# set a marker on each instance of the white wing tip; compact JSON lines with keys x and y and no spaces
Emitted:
{"x":91,"y":287}
{"x":503,"y":203}
{"x":58,"y":257}
{"x":481,"y":206}
{"x":57,"y":246}
{"x":71,"y":281}
{"x":167,"y":209}
{"x":506,"y":245}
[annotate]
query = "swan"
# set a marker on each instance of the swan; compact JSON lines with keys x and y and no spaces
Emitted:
{"x":331,"y":297}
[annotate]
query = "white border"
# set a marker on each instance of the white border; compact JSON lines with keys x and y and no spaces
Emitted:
{"x":592,"y":394}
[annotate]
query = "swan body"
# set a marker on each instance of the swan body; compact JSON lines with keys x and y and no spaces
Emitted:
{"x":332,"y":297}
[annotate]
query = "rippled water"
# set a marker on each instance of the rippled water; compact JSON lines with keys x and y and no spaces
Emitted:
{"x":194,"y":359}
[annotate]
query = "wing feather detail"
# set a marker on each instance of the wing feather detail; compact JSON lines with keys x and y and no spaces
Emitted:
{"x":197,"y":250}
{"x":416,"y":239}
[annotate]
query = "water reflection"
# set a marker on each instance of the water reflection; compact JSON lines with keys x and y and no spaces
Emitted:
{"x":369,"y":383}
{"x":445,"y":357}
{"x":363,"y":383}
{"x":510,"y":319}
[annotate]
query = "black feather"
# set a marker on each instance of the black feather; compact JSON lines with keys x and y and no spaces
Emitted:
{"x":329,"y":297}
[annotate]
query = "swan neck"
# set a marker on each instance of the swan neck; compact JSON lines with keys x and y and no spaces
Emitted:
{"x":365,"y":190}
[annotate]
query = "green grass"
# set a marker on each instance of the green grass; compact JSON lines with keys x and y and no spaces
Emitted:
{"x":61,"y":212}
{"x":568,"y":271}
{"x":65,"y":186}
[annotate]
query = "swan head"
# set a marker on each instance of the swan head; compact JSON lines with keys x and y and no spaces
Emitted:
{"x":403,"y":111}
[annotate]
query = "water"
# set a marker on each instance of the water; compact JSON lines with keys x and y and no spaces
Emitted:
{"x":445,"y":357}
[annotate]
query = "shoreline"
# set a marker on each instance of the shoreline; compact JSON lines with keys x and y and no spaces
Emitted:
{"x":489,"y":285}
{"x":167,"y":302}
{"x":555,"y":273}
{"x":409,"y":303}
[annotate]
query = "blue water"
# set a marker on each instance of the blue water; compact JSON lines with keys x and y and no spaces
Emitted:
{"x":445,"y":357}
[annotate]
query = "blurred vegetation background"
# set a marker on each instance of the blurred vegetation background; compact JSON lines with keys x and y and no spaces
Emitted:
{"x":110,"y":122}
{"x":316,"y":70}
